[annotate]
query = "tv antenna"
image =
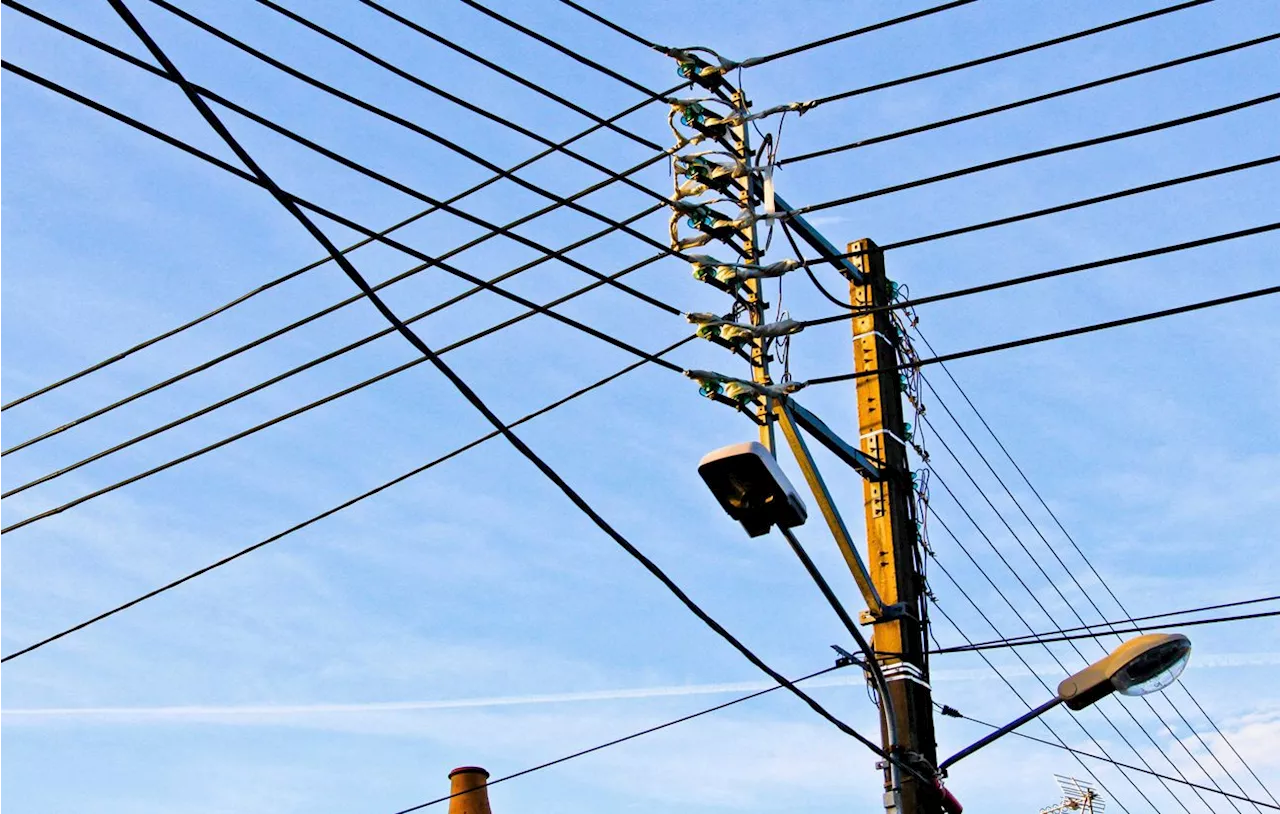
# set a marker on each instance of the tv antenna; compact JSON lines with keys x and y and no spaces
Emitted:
{"x":1078,"y":797}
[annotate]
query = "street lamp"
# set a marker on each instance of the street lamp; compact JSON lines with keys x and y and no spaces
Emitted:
{"x":1139,"y":666}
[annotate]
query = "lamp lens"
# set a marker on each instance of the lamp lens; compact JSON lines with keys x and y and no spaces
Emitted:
{"x":1155,"y":669}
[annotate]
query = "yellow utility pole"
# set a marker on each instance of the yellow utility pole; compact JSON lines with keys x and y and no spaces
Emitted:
{"x":752,"y":287}
{"x":892,"y":547}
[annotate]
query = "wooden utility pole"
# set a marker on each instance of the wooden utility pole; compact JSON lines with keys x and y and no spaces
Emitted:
{"x":892,"y":547}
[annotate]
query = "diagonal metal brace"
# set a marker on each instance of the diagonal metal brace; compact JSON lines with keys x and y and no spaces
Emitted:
{"x":868,"y":467}
{"x":788,"y":417}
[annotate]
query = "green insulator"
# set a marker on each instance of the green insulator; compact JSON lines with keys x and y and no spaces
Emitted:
{"x":908,"y":430}
{"x":710,"y":389}
{"x":686,"y":69}
{"x":701,"y":272}
{"x":902,"y":382}
{"x":708,"y":331}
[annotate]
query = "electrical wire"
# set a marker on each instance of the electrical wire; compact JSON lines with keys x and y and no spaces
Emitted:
{"x":623,"y":739}
{"x":1071,"y":574}
{"x":1061,"y":595}
{"x":326,"y":213}
{"x":413,"y":126}
{"x":574,"y":55}
{"x":1043,"y":275}
{"x":1047,"y":151}
{"x":1130,"y":767}
{"x":1065,"y":207}
{"x":1031,"y":100}
{"x":311,"y":405}
{"x":513,"y":76}
{"x":798,"y":49}
{"x":1088,"y":32}
{"x":1049,"y":337}
{"x":1040,"y":638}
{"x":48,"y":21}
{"x":1044,"y":504}
{"x":1018,"y":654}
{"x":935,"y":476}
{"x":1051,"y":582}
{"x":629,"y":34}
{"x":461,"y":386}
{"x":345,"y":504}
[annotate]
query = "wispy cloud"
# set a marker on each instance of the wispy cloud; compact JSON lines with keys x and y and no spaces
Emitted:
{"x":264,"y":712}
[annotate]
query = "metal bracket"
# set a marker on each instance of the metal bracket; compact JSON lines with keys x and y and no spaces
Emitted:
{"x":888,"y":613}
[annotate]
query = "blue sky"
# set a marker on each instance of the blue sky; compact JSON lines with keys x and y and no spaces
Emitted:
{"x":470,"y":615}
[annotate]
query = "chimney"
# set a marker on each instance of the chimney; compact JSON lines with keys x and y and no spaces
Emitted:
{"x":470,"y":784}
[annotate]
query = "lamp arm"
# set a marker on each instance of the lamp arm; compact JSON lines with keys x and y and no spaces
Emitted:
{"x":999,"y":733}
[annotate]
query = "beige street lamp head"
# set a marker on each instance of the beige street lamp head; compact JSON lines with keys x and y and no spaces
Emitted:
{"x":1137,"y":667}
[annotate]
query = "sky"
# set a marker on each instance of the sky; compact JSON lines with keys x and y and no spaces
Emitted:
{"x":470,"y":615}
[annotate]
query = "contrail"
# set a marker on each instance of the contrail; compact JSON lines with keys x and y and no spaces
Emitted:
{"x":197,"y":712}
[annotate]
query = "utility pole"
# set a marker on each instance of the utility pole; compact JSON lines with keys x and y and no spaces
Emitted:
{"x":893,"y":557}
{"x":752,"y":288}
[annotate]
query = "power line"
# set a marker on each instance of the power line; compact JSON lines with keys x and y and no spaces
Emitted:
{"x":291,"y":275}
{"x":345,"y":504}
{"x":1031,"y":100}
{"x":1077,"y":204}
{"x":1136,"y":619}
{"x":574,"y":55}
{"x":857,"y":32}
{"x":542,"y":309}
{"x":929,"y":509}
{"x":623,"y":739}
{"x":1032,"y":340}
{"x":413,"y":126}
{"x":934,"y":475}
{"x":1039,"y":567}
{"x":626,"y":32}
{"x":309,"y":406}
{"x":1091,"y":756}
{"x":1048,"y":151}
{"x":1088,"y":32}
{"x":1048,"y":638}
{"x":1058,"y":272}
{"x":1071,"y":574}
{"x":463,"y":389}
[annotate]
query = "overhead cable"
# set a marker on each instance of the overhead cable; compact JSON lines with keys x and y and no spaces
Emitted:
{"x":177,"y":422}
{"x":1050,"y":638}
{"x":1088,"y":32}
{"x":289,"y":276}
{"x":1049,"y":337}
{"x":408,"y":124}
{"x":569,"y":52}
{"x":1061,"y":148}
{"x":866,"y":29}
{"x":931,"y":511}
{"x":935,"y":476}
{"x":324,"y":212}
{"x":626,"y":32}
{"x":345,"y":504}
{"x":624,"y":739}
{"x":1129,"y":767}
{"x":463,"y":389}
{"x":1031,"y":100}
{"x":512,"y":75}
{"x":1044,"y":275}
{"x":1087,"y":594}
{"x":1125,"y":709}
